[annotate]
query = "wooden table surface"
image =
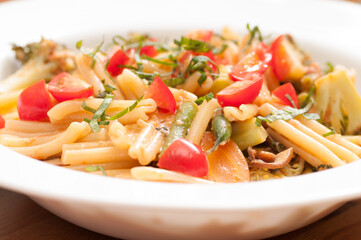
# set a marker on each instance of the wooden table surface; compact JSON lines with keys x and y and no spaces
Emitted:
{"x":23,"y":219}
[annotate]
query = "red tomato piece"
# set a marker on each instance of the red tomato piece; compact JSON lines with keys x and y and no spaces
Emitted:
{"x":65,"y":87}
{"x":256,"y":61}
{"x":280,"y":63}
{"x":2,"y":122}
{"x":202,"y":35}
{"x":161,"y":94}
{"x":185,"y":157}
{"x":119,"y":58}
{"x":241,"y":92}
{"x":283,"y":90}
{"x":34,"y":102}
{"x":150,"y":51}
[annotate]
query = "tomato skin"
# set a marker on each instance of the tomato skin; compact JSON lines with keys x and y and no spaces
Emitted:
{"x":65,"y":87}
{"x":150,"y":51}
{"x":283,"y":90}
{"x":34,"y":102}
{"x":185,"y":157}
{"x":241,"y":92}
{"x":201,"y":35}
{"x":161,"y":94}
{"x":256,"y":61}
{"x":2,"y":122}
{"x":118,"y":58}
{"x":280,"y":60}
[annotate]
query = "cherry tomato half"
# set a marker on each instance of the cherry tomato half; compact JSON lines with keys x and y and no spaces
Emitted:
{"x":118,"y":58}
{"x":65,"y":87}
{"x":34,"y":102}
{"x":185,"y":157}
{"x":2,"y":122}
{"x":286,"y":89}
{"x":256,"y":61}
{"x":241,"y":92}
{"x":161,"y":94}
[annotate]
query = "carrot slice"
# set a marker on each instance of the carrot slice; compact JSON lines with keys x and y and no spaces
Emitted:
{"x":226,"y":164}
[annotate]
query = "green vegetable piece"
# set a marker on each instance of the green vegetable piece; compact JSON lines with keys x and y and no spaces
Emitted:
{"x":222,"y":130}
{"x":247,"y":134}
{"x":181,"y":123}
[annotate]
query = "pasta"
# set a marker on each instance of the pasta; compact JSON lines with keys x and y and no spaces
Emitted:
{"x":204,"y":108}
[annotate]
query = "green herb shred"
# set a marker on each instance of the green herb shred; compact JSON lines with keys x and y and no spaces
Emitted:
{"x":207,"y":97}
{"x":96,"y":168}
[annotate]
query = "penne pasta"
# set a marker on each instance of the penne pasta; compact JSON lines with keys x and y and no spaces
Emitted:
{"x":147,"y":144}
{"x":244,"y":112}
{"x":201,"y":120}
{"x":54,"y":147}
{"x":94,"y":156}
{"x":304,"y":141}
{"x":156,"y":174}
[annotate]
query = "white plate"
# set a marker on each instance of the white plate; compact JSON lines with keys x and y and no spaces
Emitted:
{"x":138,"y":210}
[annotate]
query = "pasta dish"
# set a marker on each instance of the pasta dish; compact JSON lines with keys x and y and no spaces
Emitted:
{"x":205,"y":107}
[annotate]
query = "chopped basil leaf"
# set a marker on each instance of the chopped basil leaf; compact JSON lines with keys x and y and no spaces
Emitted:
{"x":173,"y":82}
{"x":220,"y":50}
{"x":287,"y":113}
{"x":207,"y":97}
{"x":96,"y":168}
{"x":127,"y":110}
{"x":193,"y":45}
{"x":291,"y":100}
{"x":330,"y":132}
{"x":200,"y":64}
{"x":309,"y":95}
{"x":330,"y":68}
{"x":79,"y":46}
{"x":322,"y":166}
{"x":159,"y":61}
{"x":254,"y":31}
{"x":87,"y":108}
{"x":202,"y":78}
{"x":109,"y":88}
{"x":100,"y":113}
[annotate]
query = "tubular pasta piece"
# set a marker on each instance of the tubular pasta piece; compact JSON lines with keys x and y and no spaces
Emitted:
{"x":304,"y":141}
{"x":14,"y":115}
{"x":9,"y":98}
{"x":106,"y":166}
{"x":94,"y":156}
{"x":118,"y":135}
{"x":86,"y":145}
{"x":182,"y":96}
{"x":353,"y":139}
{"x":64,"y":110}
{"x":340,"y":151}
{"x":205,"y":87}
{"x":157,"y":174}
{"x":191,"y":84}
{"x":33,"y":127}
{"x":336,"y":138}
{"x":151,"y":67}
{"x":100,"y":71}
{"x":244,"y":112}
{"x":16,"y":141}
{"x":120,"y":173}
{"x":88,"y":73}
{"x":201,"y":120}
{"x":131,"y":85}
{"x":102,"y":135}
{"x":53,"y":147}
{"x":147,"y":144}
{"x":305,"y":155}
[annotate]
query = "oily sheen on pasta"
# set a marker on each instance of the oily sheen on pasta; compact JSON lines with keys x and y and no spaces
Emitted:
{"x":203,"y":108}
